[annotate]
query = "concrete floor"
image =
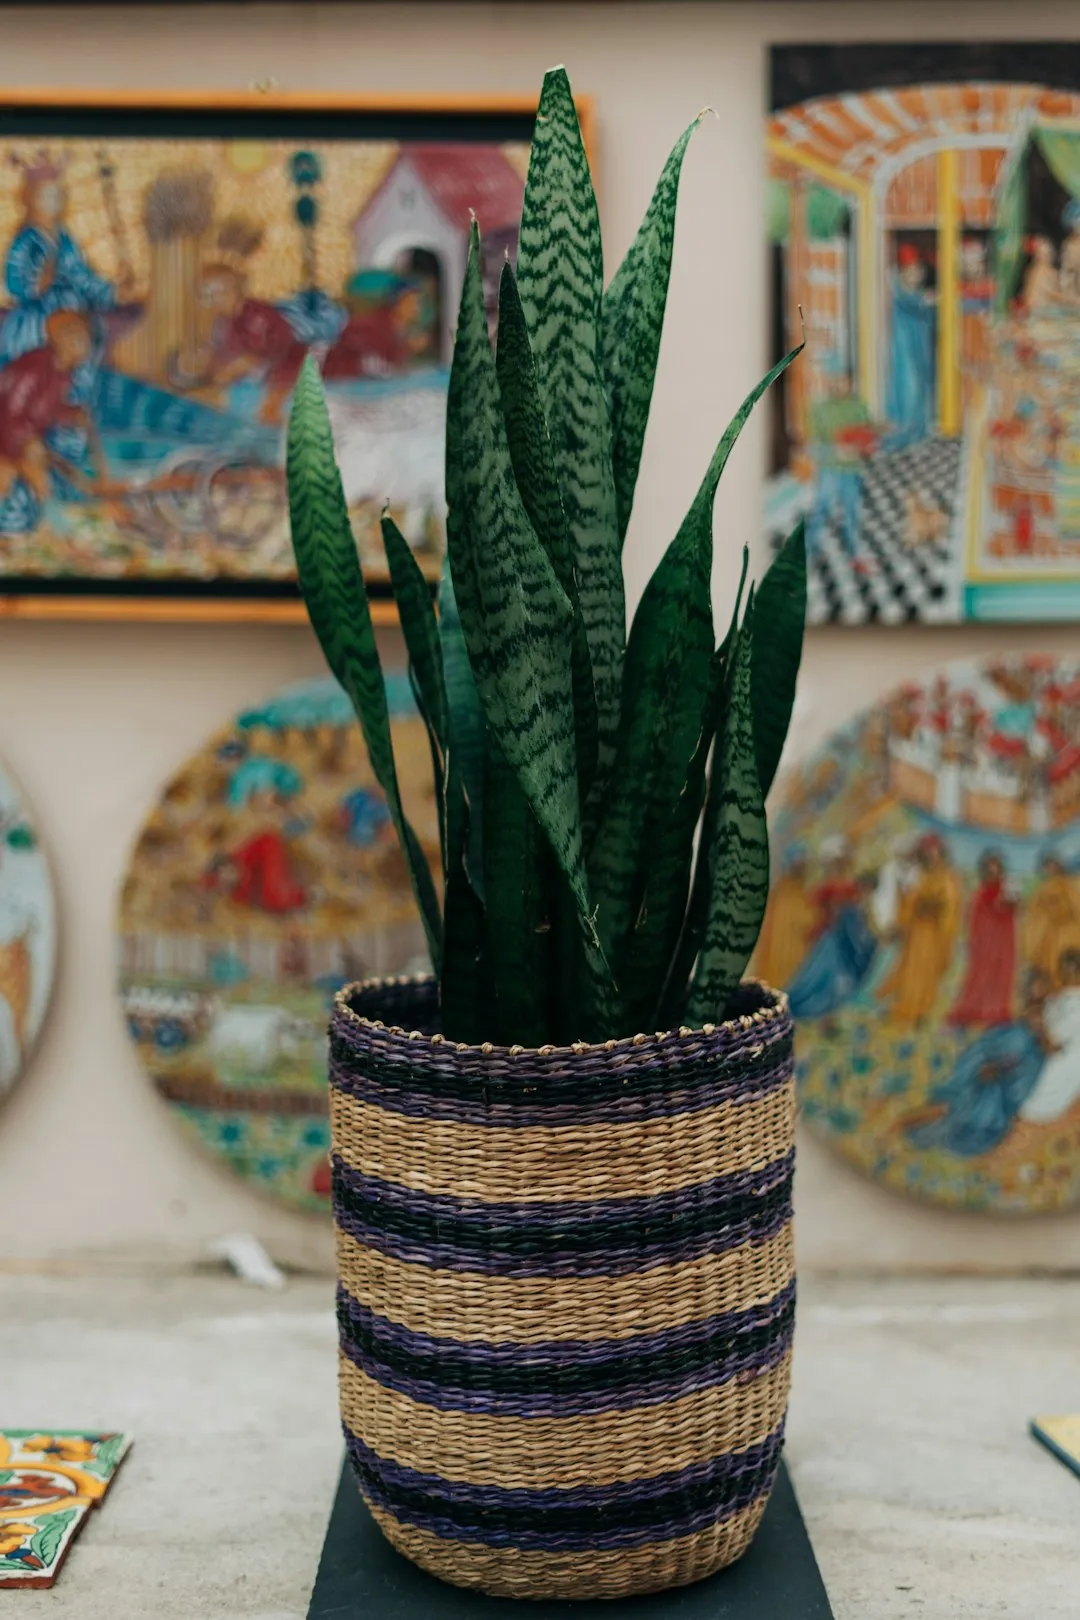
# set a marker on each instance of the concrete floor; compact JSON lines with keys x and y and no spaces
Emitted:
{"x":908,"y":1445}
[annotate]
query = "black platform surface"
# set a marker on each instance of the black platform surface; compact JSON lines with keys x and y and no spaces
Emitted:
{"x":361,"y":1577}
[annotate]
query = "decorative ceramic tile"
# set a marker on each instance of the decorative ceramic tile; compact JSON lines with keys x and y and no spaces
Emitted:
{"x":50,"y":1480}
{"x":1061,"y":1435}
{"x":925,"y":922}
{"x":87,"y":1459}
{"x":34,"y":1541}
{"x":268,"y":875}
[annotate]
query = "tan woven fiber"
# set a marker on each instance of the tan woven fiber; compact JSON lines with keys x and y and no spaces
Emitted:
{"x":608,"y":1574}
{"x":566,"y":1293}
{"x":569,"y":1162}
{"x":469,"y":1306}
{"x":540,"y":1453}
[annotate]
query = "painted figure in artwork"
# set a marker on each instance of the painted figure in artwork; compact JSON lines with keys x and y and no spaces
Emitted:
{"x":35,"y":400}
{"x":843,"y":942}
{"x":250,"y":337}
{"x":986,"y":994}
{"x":46,"y":270}
{"x":1051,"y":922}
{"x":928,"y":918}
{"x":911,"y":403}
{"x":1058,"y":1088}
{"x":789,"y":922}
{"x":1041,"y":287}
{"x":974,"y":1110}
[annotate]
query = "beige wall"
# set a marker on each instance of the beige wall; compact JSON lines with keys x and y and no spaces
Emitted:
{"x":93,"y":719}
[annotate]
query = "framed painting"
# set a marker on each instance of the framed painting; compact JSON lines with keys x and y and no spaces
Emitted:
{"x":168,"y":262}
{"x":923,"y":220}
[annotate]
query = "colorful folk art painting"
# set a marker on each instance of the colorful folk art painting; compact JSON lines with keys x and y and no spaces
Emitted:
{"x":27,"y":933}
{"x":924,"y":223}
{"x":925,"y":922}
{"x":159,"y":296}
{"x":268,"y":876}
{"x":49,"y":1483}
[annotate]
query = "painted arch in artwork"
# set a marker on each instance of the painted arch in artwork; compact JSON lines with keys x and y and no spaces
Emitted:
{"x":266,"y":877}
{"x":924,"y":920}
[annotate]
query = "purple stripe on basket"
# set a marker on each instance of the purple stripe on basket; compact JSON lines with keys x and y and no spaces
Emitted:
{"x":677,"y":1091}
{"x":708,"y":1195}
{"x":463,"y":1375}
{"x":730,"y":1466}
{"x":720,"y":1489}
{"x":362,"y":1319}
{"x":609,"y":1260}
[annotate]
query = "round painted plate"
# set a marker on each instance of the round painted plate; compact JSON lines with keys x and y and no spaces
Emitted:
{"x":925,"y":922}
{"x":27,"y":934}
{"x":269,"y":875}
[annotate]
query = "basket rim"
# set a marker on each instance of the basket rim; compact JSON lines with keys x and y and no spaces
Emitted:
{"x":774,"y":1011}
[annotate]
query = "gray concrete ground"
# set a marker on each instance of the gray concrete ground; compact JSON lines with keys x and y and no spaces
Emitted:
{"x":908,"y":1443}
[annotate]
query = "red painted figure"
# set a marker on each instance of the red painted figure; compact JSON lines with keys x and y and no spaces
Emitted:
{"x":33,"y":398}
{"x":251,"y":335}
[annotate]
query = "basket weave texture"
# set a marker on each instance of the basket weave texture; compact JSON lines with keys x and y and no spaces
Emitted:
{"x":566,"y":1292}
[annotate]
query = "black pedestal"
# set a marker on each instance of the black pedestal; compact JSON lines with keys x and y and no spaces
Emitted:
{"x":361,"y":1577}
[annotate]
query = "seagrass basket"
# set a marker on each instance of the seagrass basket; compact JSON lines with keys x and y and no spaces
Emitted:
{"x":566,"y":1292}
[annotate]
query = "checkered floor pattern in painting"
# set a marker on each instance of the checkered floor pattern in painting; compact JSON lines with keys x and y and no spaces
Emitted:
{"x":903,"y":568}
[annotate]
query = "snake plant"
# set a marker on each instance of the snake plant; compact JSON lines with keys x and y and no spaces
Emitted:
{"x":574,"y":766}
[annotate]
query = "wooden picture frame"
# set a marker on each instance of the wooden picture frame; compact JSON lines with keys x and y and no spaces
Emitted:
{"x":168,"y":258}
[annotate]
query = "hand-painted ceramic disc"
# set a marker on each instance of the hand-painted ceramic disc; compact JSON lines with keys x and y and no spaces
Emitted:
{"x":27,"y":934}
{"x":268,"y":876}
{"x":925,"y":922}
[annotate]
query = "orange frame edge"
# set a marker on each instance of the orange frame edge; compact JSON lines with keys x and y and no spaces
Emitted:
{"x":185,"y":610}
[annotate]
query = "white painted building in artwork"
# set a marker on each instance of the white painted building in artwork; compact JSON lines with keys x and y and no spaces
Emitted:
{"x":422,"y":209}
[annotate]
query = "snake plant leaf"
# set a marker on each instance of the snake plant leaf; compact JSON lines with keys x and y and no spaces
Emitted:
{"x":665,"y":690}
{"x":631,"y":321}
{"x":466,"y":995}
{"x":534,"y":469}
{"x":417,"y":617}
{"x":779,"y":618}
{"x":560,"y":274}
{"x":681,"y":960}
{"x":412,"y":593}
{"x":666,"y":686}
{"x":333,"y":588}
{"x":463,"y":812}
{"x":737,"y":854}
{"x":665,"y":896}
{"x":516,"y":618}
{"x":516,"y":860}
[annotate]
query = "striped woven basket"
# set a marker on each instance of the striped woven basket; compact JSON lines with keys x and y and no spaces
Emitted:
{"x":566,"y":1292}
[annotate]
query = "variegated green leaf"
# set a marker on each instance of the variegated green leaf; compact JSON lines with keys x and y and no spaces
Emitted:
{"x":466,"y":994}
{"x":517,"y":619}
{"x":631,"y":321}
{"x":417,"y":618}
{"x":516,"y":862}
{"x":665,"y":691}
{"x":464,"y":775}
{"x":737,"y":854}
{"x":534,"y":471}
{"x":692,"y":930}
{"x":337,"y":604}
{"x":779,"y":619}
{"x":412,"y":594}
{"x":560,"y":275}
{"x":658,"y":924}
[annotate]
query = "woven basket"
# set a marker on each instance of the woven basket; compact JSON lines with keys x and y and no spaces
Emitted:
{"x":566,"y":1292}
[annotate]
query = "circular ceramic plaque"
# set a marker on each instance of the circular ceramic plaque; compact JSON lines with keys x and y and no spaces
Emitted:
{"x":268,"y":875}
{"x":27,"y":933}
{"x":925,"y":922}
